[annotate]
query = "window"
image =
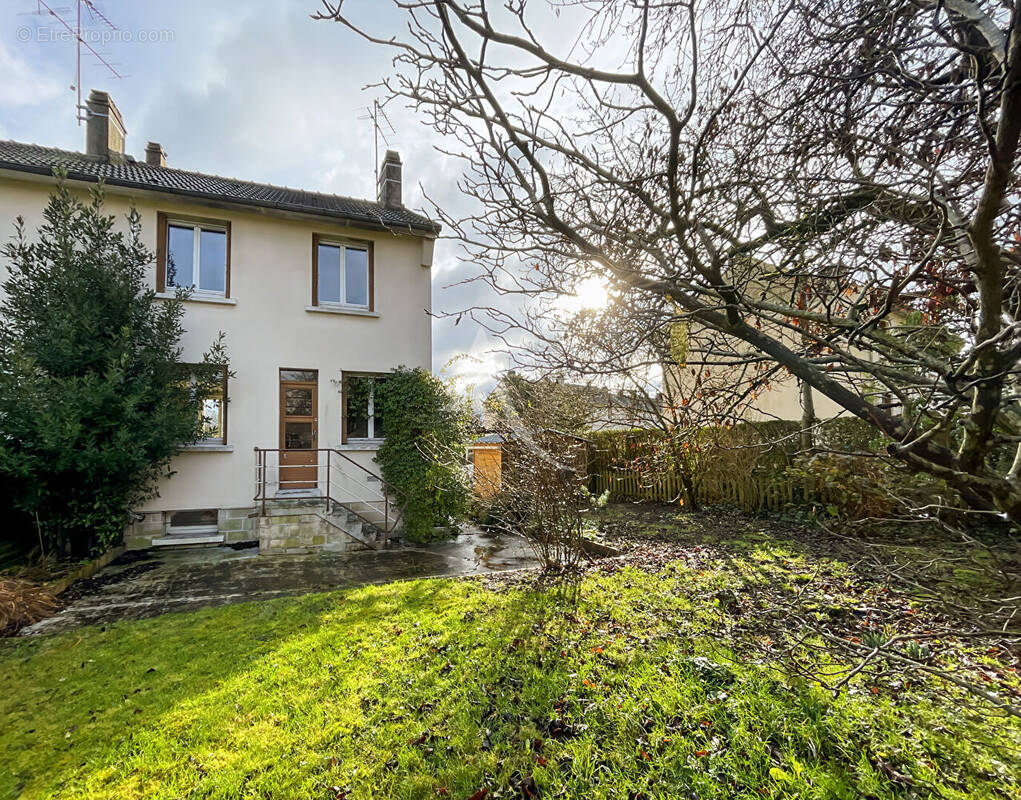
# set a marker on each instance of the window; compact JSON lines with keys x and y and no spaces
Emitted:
{"x":341,"y":273}
{"x":192,"y":522}
{"x":212,"y":403}
{"x":362,"y":418}
{"x":193,"y":254}
{"x":214,"y":422}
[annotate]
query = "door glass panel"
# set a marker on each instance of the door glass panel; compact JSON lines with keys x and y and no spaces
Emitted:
{"x":298,"y":402}
{"x":307,"y":375}
{"x":298,"y":436}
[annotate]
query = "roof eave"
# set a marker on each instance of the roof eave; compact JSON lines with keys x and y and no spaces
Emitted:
{"x":359,"y":220}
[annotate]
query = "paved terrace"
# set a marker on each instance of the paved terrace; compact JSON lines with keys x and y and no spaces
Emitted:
{"x":148,"y":583}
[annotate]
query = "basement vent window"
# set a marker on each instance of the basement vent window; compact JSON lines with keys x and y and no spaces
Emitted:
{"x":193,"y":522}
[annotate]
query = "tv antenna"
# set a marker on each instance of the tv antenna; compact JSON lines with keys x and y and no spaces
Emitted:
{"x":378,"y":116}
{"x":98,"y":18}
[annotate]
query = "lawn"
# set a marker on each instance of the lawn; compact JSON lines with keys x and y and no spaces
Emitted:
{"x":636,"y":682}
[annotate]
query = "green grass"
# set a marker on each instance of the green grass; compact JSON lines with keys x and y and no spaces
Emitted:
{"x":615,"y":688}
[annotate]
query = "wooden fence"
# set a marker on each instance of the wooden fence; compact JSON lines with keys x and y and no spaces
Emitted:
{"x":756,"y":492}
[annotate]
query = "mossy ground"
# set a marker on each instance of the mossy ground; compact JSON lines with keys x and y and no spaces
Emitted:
{"x":619,"y":686}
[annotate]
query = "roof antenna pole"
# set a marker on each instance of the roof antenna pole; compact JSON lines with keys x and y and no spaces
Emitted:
{"x":78,"y":63}
{"x":374,"y":115}
{"x":43,"y":8}
{"x":375,"y":140}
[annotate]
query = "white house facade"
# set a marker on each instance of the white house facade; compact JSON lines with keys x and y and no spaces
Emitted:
{"x":315,"y":294}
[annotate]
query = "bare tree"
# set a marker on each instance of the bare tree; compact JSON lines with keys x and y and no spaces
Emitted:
{"x":829,"y":184}
{"x":540,"y":489}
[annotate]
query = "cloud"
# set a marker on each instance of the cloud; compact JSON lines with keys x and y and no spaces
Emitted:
{"x":23,"y":85}
{"x":260,"y":91}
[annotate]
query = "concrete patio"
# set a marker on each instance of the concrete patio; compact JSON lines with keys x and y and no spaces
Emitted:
{"x":163,"y":580}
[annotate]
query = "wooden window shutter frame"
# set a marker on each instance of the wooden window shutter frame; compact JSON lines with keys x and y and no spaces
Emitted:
{"x":161,"y":252}
{"x":342,"y":241}
{"x":162,"y":234}
{"x":315,"y":269}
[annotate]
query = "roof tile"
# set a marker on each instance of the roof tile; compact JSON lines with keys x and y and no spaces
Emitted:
{"x":33,"y":158}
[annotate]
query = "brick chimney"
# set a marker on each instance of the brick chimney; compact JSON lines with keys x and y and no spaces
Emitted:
{"x":104,"y":127}
{"x":388,"y":187}
{"x":155,"y":154}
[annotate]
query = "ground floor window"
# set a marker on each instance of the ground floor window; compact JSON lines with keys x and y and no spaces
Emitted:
{"x":212,"y":391}
{"x":363,"y":419}
{"x":214,"y":418}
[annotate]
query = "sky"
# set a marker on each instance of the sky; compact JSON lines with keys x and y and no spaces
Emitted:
{"x":254,"y":90}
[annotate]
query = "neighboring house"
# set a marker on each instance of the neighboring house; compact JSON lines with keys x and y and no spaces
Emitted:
{"x":707,"y":393}
{"x":752,"y":392}
{"x":565,"y":406}
{"x":316,"y":294}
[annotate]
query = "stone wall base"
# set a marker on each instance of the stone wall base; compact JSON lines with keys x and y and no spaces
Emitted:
{"x":293,"y":528}
{"x":234,"y":524}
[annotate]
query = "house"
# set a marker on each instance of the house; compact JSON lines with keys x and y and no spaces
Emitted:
{"x":565,"y":406}
{"x":711,"y":375}
{"x":318,"y":295}
{"x":698,"y":388}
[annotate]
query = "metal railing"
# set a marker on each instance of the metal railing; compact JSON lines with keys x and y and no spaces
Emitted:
{"x":338,"y":479}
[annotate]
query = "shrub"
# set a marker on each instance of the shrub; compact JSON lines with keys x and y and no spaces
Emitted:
{"x":849,"y":434}
{"x":22,"y":603}
{"x":863,"y":487}
{"x":93,"y":401}
{"x":543,"y":495}
{"x":423,"y":452}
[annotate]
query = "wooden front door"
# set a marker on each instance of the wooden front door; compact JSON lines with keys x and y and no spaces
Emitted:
{"x":299,"y":428}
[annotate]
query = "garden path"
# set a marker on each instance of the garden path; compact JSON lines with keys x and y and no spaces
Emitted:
{"x":148,"y":583}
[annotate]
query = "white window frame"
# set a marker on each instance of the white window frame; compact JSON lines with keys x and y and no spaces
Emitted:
{"x":221,"y":439}
{"x":196,"y":260}
{"x":344,"y":246}
{"x":371,"y":425}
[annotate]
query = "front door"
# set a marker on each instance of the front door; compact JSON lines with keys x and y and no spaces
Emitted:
{"x":299,"y":428}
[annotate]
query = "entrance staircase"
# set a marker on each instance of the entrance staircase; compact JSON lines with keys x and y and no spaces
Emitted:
{"x":348,"y":507}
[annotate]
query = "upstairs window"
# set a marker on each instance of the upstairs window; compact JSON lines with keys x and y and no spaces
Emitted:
{"x":194,"y":254}
{"x":362,"y":418}
{"x":342,"y":274}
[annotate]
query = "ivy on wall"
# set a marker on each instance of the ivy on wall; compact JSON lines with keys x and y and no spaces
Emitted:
{"x":424,"y":450}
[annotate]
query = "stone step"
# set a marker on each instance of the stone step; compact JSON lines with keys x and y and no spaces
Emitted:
{"x":179,"y":540}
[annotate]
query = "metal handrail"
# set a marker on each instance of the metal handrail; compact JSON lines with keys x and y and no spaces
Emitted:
{"x":262,"y":469}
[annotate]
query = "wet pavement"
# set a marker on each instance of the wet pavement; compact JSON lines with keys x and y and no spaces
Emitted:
{"x":158,"y":581}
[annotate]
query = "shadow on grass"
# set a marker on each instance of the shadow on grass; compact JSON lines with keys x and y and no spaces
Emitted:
{"x":435,"y":688}
{"x":294,"y":697}
{"x":77,"y":702}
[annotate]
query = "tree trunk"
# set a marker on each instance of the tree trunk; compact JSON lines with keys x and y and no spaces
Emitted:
{"x":807,"y":416}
